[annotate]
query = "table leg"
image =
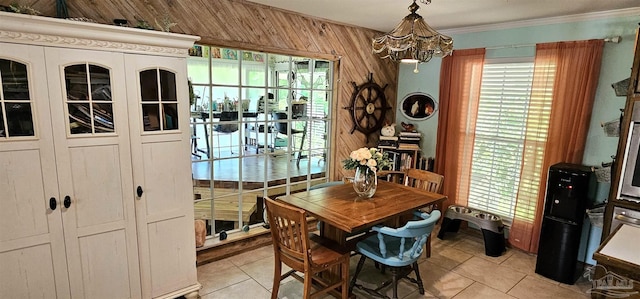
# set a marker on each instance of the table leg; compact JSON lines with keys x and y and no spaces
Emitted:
{"x":206,"y":134}
{"x":304,"y":135}
{"x":206,"y":137}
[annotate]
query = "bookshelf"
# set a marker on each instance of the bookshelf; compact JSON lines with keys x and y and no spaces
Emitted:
{"x":402,"y":159}
{"x":404,"y":152}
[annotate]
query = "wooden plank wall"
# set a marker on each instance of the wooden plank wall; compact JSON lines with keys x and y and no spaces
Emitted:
{"x":249,"y":26}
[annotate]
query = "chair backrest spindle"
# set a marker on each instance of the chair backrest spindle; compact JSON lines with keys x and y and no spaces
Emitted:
{"x":289,"y":226}
{"x":416,"y":231}
{"x":424,"y":180}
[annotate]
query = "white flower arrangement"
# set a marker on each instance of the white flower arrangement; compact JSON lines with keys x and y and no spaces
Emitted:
{"x":367,"y":157}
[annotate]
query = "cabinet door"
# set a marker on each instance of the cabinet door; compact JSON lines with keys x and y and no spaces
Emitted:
{"x":159,"y":121}
{"x":32,"y":253}
{"x":91,"y":138}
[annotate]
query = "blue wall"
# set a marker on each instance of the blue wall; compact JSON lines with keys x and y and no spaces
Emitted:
{"x":616,"y":64}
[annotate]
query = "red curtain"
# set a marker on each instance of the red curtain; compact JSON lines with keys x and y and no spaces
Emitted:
{"x":568,"y":72}
{"x":565,"y":80}
{"x":460,"y":79}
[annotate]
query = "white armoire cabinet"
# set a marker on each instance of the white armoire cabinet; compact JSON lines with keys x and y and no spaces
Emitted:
{"x":95,"y":171}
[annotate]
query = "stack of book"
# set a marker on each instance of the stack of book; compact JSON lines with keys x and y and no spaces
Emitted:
{"x":409,"y":140}
{"x":400,"y":161}
{"x":389,"y":142}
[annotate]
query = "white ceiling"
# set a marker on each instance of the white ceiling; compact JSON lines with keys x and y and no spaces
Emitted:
{"x":384,"y":15}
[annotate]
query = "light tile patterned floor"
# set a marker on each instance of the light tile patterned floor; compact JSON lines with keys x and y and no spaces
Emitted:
{"x":458,"y":268}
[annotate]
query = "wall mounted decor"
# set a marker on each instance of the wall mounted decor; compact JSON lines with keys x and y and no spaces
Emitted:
{"x":418,"y":106}
{"x":368,"y":107}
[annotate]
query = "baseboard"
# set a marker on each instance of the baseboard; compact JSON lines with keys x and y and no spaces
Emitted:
{"x":237,"y":243}
{"x":217,"y":250}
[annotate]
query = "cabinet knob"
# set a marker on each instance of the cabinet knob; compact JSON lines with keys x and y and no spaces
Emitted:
{"x":67,"y":202}
{"x":139,"y":191}
{"x":53,"y":203}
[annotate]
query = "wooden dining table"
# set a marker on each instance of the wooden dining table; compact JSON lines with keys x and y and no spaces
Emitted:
{"x":343,"y":212}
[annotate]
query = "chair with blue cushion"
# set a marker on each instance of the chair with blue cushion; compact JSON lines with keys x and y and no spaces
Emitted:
{"x":428,"y":181}
{"x":398,"y":249}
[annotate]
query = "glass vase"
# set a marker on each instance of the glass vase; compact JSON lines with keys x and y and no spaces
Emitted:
{"x":365,"y":182}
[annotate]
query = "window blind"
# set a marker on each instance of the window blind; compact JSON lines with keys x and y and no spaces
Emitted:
{"x":501,"y":128}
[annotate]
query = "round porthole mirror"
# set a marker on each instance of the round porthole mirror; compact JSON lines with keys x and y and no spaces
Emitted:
{"x":418,"y":106}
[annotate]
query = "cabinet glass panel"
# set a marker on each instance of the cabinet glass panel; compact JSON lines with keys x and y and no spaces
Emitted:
{"x":16,"y":116}
{"x":149,"y":85}
{"x":76,"y":82}
{"x":151,"y":117}
{"x":170,"y":116}
{"x":159,"y":100}
{"x":168,"y":86}
{"x":89,"y":112}
{"x":100,"y":83}
{"x":102,"y":117}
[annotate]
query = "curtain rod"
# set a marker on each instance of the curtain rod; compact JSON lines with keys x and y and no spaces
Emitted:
{"x":614,"y":39}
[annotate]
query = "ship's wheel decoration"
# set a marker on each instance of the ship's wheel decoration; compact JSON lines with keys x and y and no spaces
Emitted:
{"x":368,"y":107}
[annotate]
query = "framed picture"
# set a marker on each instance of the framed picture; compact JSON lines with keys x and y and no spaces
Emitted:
{"x":215,"y":53}
{"x":196,"y":51}
{"x":229,"y":54}
{"x":247,"y":56}
{"x":418,"y":106}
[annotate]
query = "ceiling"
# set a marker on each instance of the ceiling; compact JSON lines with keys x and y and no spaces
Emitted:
{"x":384,"y":15}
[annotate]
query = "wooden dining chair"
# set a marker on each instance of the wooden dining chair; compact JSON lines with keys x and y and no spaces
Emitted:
{"x":311,"y":256}
{"x":425,"y":180}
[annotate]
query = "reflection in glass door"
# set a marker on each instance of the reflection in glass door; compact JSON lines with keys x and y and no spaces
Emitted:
{"x":260,"y":125}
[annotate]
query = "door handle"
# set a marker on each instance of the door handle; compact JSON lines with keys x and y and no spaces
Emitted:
{"x":53,"y":203}
{"x":67,"y":202}
{"x":139,"y":191}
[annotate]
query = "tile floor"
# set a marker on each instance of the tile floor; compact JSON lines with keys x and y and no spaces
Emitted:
{"x":457,"y":268}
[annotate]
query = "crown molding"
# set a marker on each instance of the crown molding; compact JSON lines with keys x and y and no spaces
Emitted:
{"x":546,"y":21}
{"x":45,"y":31}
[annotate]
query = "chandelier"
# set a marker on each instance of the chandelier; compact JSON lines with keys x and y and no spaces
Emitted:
{"x":413,"y":40}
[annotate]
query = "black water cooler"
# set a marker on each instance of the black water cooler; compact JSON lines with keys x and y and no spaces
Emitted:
{"x":570,"y":190}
